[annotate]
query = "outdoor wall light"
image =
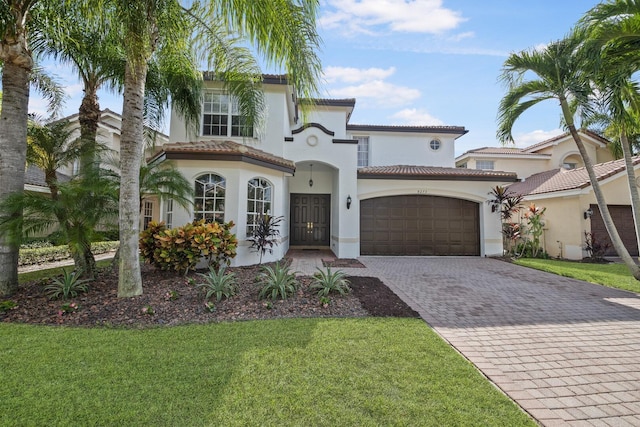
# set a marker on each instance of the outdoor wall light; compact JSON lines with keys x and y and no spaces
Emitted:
{"x":588,"y":213}
{"x":349,"y":201}
{"x":311,"y":175}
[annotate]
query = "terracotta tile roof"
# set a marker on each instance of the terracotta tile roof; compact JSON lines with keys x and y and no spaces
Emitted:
{"x":533,"y":148}
{"x":332,"y":102}
{"x":503,"y":151}
{"x":433,"y":173}
{"x":418,"y":129}
{"x":563,"y":180}
{"x":223,"y":149}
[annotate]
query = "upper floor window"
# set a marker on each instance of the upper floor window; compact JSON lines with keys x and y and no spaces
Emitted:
{"x":484,"y":164}
{"x":435,"y":144}
{"x":569,"y":165}
{"x":463,"y":165}
{"x":259,"y":194}
{"x":363,"y":150}
{"x":221,"y":116}
{"x":209,"y":198}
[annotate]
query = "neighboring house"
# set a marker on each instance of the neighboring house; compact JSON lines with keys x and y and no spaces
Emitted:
{"x":552,"y":175}
{"x":558,"y":152}
{"x":108,"y":136}
{"x":356,"y":189}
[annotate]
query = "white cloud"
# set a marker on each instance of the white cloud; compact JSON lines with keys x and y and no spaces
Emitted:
{"x":530,"y":138}
{"x":378,"y":92}
{"x":416,"y":117}
{"x":354,"y":75}
{"x":409,"y":16}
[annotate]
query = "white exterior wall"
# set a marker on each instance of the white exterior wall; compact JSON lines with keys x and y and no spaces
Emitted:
{"x":237,"y":176}
{"x":490,"y":227}
{"x":408,"y":148}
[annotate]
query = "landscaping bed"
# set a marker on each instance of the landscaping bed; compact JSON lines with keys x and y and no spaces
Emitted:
{"x":170,"y":299}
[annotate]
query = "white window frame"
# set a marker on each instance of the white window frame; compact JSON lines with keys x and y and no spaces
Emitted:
{"x":485,"y":164}
{"x":437,"y":143}
{"x":209,"y":197}
{"x":364,"y":155}
{"x":168,"y":214}
{"x":226,"y":107}
{"x":147,"y":214}
{"x":259,"y":201}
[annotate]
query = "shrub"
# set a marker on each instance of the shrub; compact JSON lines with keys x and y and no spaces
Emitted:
{"x":327,"y":281}
{"x":595,"y":247}
{"x":56,"y":253}
{"x":278,"y":282}
{"x":67,"y":286}
{"x":218,"y":283}
{"x":181,"y":248}
{"x":265,"y":234}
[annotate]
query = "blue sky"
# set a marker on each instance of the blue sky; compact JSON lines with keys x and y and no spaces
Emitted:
{"x":424,"y":62}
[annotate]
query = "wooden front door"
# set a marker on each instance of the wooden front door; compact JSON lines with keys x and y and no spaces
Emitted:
{"x":310,"y":215}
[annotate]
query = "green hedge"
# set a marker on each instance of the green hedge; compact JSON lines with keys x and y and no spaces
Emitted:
{"x":57,"y":253}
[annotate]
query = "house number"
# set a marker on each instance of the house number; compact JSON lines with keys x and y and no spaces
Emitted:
{"x":423,"y":191}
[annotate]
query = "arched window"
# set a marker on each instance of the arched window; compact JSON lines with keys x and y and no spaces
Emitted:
{"x":259,"y":199}
{"x":209,"y":198}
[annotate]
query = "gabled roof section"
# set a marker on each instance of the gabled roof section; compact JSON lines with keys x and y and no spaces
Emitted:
{"x":33,"y":175}
{"x":454,"y":130}
{"x":279,"y":79}
{"x":222,"y":150}
{"x":104,"y":124}
{"x":434,"y":173}
{"x":563,"y":180}
{"x":595,"y":138}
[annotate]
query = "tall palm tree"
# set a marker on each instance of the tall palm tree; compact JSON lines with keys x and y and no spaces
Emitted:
{"x":613,"y":30}
{"x":559,"y":75}
{"x":22,"y":27}
{"x":282,"y":32}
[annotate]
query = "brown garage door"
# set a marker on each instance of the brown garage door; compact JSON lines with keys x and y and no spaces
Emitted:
{"x":623,"y":219}
{"x":419,"y":225}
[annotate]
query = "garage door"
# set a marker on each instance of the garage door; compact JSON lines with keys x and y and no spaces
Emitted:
{"x":419,"y":225}
{"x":623,"y":219}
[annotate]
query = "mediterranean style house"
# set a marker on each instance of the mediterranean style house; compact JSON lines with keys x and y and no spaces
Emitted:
{"x":355,"y":189}
{"x":552,"y":175}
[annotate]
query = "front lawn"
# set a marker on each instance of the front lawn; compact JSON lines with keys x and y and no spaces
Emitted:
{"x":302,"y":372}
{"x":612,"y":275}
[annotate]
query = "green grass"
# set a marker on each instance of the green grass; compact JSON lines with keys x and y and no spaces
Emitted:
{"x":612,"y":275}
{"x":296,"y":372}
{"x":51,"y":272}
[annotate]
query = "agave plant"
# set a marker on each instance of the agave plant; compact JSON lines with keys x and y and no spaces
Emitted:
{"x":218,"y":283}
{"x":278,"y":282}
{"x":327,"y":281}
{"x":67,"y":286}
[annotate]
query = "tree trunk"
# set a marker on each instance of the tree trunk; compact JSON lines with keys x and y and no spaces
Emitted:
{"x":631,"y":178}
{"x":131,"y":148}
{"x":13,"y":149}
{"x":602,"y":204}
{"x":88,"y":116}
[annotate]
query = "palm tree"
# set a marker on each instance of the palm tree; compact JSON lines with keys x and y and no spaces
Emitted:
{"x":561,"y":76}
{"x":282,"y":32}
{"x":22,"y":26}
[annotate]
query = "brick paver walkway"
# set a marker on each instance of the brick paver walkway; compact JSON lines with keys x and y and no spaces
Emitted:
{"x":567,"y":351}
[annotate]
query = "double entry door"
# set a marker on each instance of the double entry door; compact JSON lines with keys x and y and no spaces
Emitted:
{"x":310,"y":215}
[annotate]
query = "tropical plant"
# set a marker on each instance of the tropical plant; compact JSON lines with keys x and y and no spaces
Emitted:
{"x":265,"y":235}
{"x":327,"y":281}
{"x":535,"y":226}
{"x":507,"y":204}
{"x":277,"y":281}
{"x":595,"y":247}
{"x":560,"y":74}
{"x":69,"y":285}
{"x":219,"y":283}
{"x":7,"y":305}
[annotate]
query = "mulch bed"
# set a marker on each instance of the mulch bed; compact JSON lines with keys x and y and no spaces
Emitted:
{"x":101,"y":306}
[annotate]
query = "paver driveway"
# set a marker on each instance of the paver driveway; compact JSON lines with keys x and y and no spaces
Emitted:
{"x":567,"y":351}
